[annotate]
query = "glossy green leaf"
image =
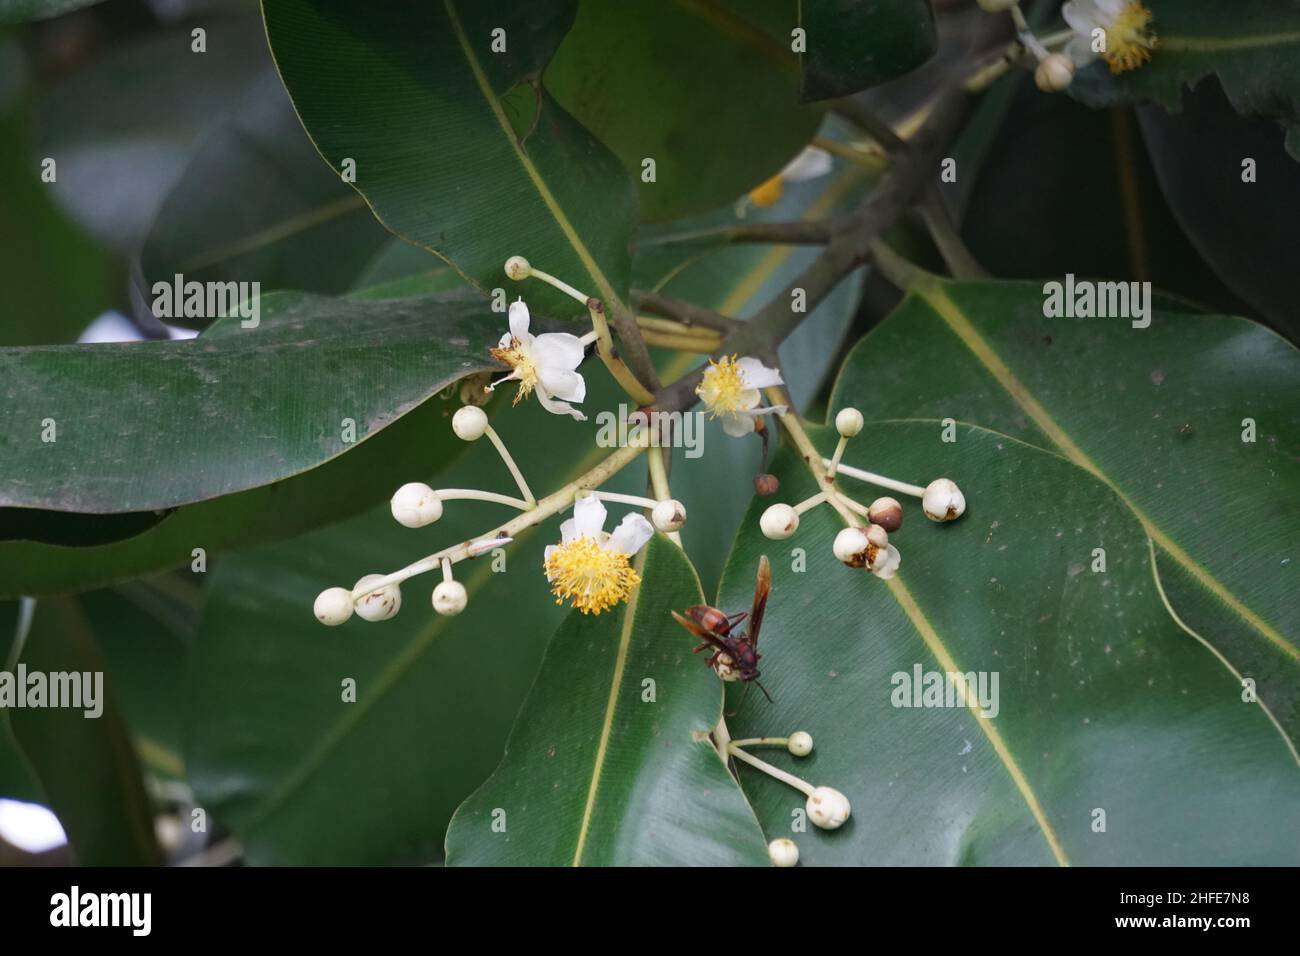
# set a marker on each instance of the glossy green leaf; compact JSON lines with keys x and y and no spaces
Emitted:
{"x":610,"y":762}
{"x":683,"y":84}
{"x":854,"y":44}
{"x":416,"y":444}
{"x":302,"y":777}
{"x":1241,"y":229}
{"x":1157,"y":413}
{"x":256,"y":203}
{"x":456,"y":147}
{"x":194,"y":420}
{"x":1117,"y":738}
{"x":86,"y":765}
{"x":1252,"y":46}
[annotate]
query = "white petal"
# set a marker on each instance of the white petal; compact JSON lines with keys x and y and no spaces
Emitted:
{"x":559,"y":349}
{"x":551,"y":549}
{"x":1082,"y":16}
{"x":568,"y":531}
{"x":588,"y":516}
{"x":506,"y":340}
{"x":518,"y":319}
{"x":812,"y":162}
{"x":758,"y":375}
{"x":562,"y":383}
{"x":556,"y":407}
{"x":1108,"y":11}
{"x":1079,"y":50}
{"x":631,"y":534}
{"x":737,"y":424}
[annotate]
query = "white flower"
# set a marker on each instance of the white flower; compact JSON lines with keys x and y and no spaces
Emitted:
{"x":1126,"y":32}
{"x":811,"y":163}
{"x":730,"y":391}
{"x":544,"y":363}
{"x":589,"y":567}
{"x":943,"y":500}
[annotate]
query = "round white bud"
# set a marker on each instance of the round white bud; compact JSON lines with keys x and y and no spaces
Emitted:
{"x":828,"y":808}
{"x":779,"y":521}
{"x":668,"y":515}
{"x":469,"y":422}
{"x":783,"y":852}
{"x":850,"y":546}
{"x":378,"y":605}
{"x":800,"y":743}
{"x":943,"y":500}
{"x":415,"y":504}
{"x":848,"y":422}
{"x":449,"y":598}
{"x":517,"y":268}
{"x":1054,"y":73}
{"x":333,"y":606}
{"x":725,"y":667}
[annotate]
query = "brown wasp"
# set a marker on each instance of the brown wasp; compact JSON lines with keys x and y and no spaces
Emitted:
{"x":732,"y":649}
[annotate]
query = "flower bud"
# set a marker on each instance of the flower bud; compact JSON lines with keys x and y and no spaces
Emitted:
{"x":877,"y":536}
{"x":1055,"y":73}
{"x":333,"y":606}
{"x":450,"y":598}
{"x":779,"y":522}
{"x":943,"y":500}
{"x":378,"y":605}
{"x":469,"y":423}
{"x":724,"y":665}
{"x":415,"y":505}
{"x":828,"y":808}
{"x":800,"y":743}
{"x":850,"y":546}
{"x":766,"y":485}
{"x":517,"y":268}
{"x":668,"y":515}
{"x":783,"y":852}
{"x":886,"y":512}
{"x":848,"y":422}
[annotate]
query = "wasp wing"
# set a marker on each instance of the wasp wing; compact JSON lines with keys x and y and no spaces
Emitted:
{"x":762,"y":588}
{"x":699,"y":632}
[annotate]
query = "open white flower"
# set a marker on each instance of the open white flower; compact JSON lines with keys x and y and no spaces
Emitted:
{"x":590,"y":567}
{"x":730,"y":391}
{"x":546,"y":364}
{"x":1126,"y":25}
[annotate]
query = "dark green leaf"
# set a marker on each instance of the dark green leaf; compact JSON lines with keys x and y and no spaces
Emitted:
{"x":1103,"y":703}
{"x":257,"y":204}
{"x":684,"y":84}
{"x":854,"y":44}
{"x":86,"y":765}
{"x":193,"y":420}
{"x":1156,"y":413}
{"x":610,"y":762}
{"x":456,"y":149}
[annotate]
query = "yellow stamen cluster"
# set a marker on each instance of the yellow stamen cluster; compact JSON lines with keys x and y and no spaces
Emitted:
{"x":1130,"y":39}
{"x":722,"y":385}
{"x":525,"y":370}
{"x":592,"y":577}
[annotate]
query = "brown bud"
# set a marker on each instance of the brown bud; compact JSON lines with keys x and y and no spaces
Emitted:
{"x":886,"y":512}
{"x":766,"y":485}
